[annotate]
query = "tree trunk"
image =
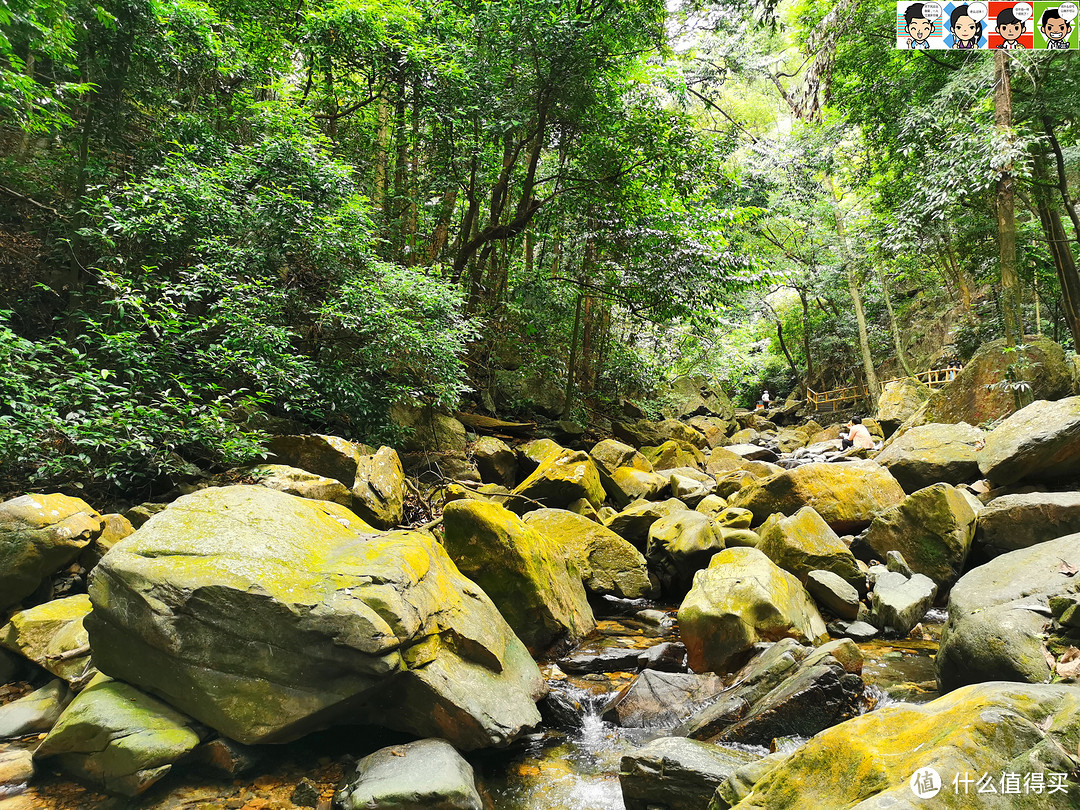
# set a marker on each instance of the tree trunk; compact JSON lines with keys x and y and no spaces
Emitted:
{"x":382,"y":142}
{"x":806,"y":337}
{"x":1068,"y":278}
{"x":897,"y":342}
{"x":1005,"y":205}
{"x":572,"y":362}
{"x":873,"y":389}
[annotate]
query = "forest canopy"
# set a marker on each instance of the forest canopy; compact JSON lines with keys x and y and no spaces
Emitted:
{"x":221,"y":217}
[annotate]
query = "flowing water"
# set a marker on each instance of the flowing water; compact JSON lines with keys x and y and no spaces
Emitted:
{"x":571,"y":768}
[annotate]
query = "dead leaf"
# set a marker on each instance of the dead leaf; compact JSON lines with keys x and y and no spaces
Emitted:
{"x":1046,"y":722}
{"x":1068,"y":570}
{"x":1069,"y":664}
{"x":1050,"y":661}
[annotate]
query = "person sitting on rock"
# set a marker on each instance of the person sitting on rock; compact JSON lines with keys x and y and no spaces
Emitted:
{"x":857,"y":436}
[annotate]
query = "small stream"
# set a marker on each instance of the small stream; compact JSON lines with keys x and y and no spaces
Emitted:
{"x":552,"y":769}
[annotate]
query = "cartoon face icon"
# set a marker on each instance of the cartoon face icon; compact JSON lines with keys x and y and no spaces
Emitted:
{"x":964,"y":28}
{"x":1011,"y":31}
{"x":1054,"y":27}
{"x":919,"y":29}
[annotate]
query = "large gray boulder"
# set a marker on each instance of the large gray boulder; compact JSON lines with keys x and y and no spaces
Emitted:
{"x":803,"y":543}
{"x":1022,"y":520}
{"x":931,"y":454}
{"x":932,"y":528}
{"x":657,"y":699}
{"x":899,"y":602}
{"x":421,"y":775}
{"x":266,"y":616}
{"x":899,"y":401}
{"x":1038,"y":443}
{"x":326,"y":456}
{"x":379,"y":489}
{"x":39,"y":534}
{"x":695,"y":396}
{"x":679,"y":546}
{"x":36,"y":712}
{"x":675,"y":773}
{"x":999,"y":614}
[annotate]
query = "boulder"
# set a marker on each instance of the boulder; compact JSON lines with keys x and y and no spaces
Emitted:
{"x":869,"y":762}
{"x":695,"y":396}
{"x":609,"y":455}
{"x":679,"y":546}
{"x":673,"y":454}
{"x":848,"y":496}
{"x":266,"y":616}
{"x":1023,"y":520}
{"x":816,"y":697}
{"x":34,"y":713}
{"x":931,"y":454}
{"x":561,"y":480}
{"x":40,"y":534}
{"x":689,"y":490}
{"x":898,"y":401}
{"x":16,"y":771}
{"x":644,"y":433}
{"x":803,"y":543}
{"x":750,"y":452}
{"x":326,"y":456}
{"x":833,"y":593}
{"x":900,"y":602}
{"x":379,"y":489}
{"x":932,"y":528}
{"x":969,"y":399}
{"x":1038,"y":443}
{"x":52,"y":636}
{"x":791,"y":439}
{"x":627,"y":484}
{"x":608,"y":564}
{"x":633,"y":522}
{"x":741,"y":783}
{"x":536,"y":452}
{"x":496,"y":462}
{"x":116,"y":737}
{"x":999,"y":614}
{"x":713,"y":428}
{"x":661,"y":699}
{"x":524,"y":390}
{"x":426,"y":428}
{"x":732,"y":517}
{"x":740,"y":599}
{"x":713,"y":505}
{"x":298,"y":482}
{"x":531,"y":579}
{"x":421,"y":775}
{"x":721,"y":460}
{"x":114,"y":528}
{"x":674,"y":773}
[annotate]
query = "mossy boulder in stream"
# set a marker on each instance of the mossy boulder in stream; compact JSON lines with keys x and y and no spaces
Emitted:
{"x":560,"y":480}
{"x":999,"y":615}
{"x":804,"y":542}
{"x":114,"y":736}
{"x":931,"y":454}
{"x":531,"y":578}
{"x":52,"y":635}
{"x":932,"y":529}
{"x":39,"y":534}
{"x":379,"y":489}
{"x":847,"y":496}
{"x":679,"y":546}
{"x":740,"y":599}
{"x":266,"y":616}
{"x":608,"y":564}
{"x":421,"y":775}
{"x":867,"y":763}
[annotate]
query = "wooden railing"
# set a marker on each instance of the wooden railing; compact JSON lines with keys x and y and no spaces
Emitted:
{"x":834,"y":399}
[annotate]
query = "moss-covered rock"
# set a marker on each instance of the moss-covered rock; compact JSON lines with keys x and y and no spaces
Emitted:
{"x":695,"y":396}
{"x":714,"y":428}
{"x":899,"y":400}
{"x":868,"y":762}
{"x":740,"y":599}
{"x":969,"y":398}
{"x":998,"y":615}
{"x":679,"y":546}
{"x":48,"y":634}
{"x":673,"y":453}
{"x":608,"y":564}
{"x":627,"y":484}
{"x":534,"y":583}
{"x":931,"y":454}
{"x":114,"y":736}
{"x":114,"y":528}
{"x":428,"y":429}
{"x":496,"y":461}
{"x":379,"y":489}
{"x":803,"y":543}
{"x":326,"y":456}
{"x":932,"y":528}
{"x":34,"y":713}
{"x":611,"y":454}
{"x":675,"y":773}
{"x":633,"y":522}
{"x":1038,"y":443}
{"x":298,"y":482}
{"x":421,"y":775}
{"x":39,"y":534}
{"x":560,"y":480}
{"x":848,"y":496}
{"x":266,"y":616}
{"x":644,"y":433}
